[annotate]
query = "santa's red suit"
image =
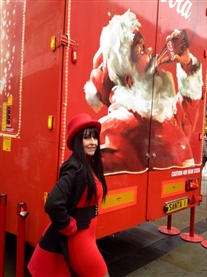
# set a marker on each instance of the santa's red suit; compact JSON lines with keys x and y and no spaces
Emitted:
{"x":130,"y":131}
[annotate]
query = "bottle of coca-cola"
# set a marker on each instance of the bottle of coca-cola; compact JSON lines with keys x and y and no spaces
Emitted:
{"x":176,"y":45}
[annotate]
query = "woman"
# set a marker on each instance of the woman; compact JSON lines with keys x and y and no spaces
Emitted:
{"x":69,"y":241}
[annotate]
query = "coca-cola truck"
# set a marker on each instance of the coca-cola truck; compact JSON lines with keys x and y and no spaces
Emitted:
{"x":62,"y":58}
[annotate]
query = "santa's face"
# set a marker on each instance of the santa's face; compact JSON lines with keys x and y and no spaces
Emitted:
{"x":141,"y":56}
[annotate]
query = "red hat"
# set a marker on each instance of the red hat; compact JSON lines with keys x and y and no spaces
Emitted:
{"x":78,"y":123}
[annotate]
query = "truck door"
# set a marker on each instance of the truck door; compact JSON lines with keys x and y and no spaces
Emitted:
{"x":177,"y":110}
{"x":96,"y":86}
{"x":31,"y":91}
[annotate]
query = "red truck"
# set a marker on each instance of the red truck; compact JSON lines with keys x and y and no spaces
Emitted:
{"x":139,"y":67}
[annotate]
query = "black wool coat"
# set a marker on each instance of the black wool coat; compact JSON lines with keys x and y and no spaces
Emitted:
{"x":60,"y":205}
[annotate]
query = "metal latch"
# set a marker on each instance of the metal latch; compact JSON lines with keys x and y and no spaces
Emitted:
{"x":62,"y":40}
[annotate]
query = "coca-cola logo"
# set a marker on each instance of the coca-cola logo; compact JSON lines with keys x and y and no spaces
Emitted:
{"x":182,"y":7}
{"x":170,"y":50}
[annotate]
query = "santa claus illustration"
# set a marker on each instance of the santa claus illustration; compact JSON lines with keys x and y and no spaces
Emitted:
{"x":149,"y":124}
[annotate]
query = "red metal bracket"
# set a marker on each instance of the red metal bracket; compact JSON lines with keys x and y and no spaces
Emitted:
{"x":3,"y":208}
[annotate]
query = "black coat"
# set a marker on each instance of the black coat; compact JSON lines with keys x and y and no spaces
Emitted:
{"x":60,"y":205}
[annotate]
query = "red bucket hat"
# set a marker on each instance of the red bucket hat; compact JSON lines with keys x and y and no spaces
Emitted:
{"x":78,"y":123}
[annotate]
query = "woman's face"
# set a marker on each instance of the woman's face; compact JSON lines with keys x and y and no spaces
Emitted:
{"x":90,"y":142}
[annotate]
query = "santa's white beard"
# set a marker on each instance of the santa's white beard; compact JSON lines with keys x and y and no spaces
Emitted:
{"x":152,"y":96}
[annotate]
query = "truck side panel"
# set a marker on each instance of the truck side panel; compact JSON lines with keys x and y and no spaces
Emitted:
{"x":144,"y":143}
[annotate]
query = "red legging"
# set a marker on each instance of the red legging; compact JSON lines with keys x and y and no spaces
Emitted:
{"x":84,"y":255}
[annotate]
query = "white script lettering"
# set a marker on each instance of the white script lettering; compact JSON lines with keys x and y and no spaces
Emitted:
{"x":182,"y":8}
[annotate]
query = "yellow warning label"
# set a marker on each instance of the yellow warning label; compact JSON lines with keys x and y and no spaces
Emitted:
{"x":7,"y":144}
{"x":3,"y":128}
{"x":173,"y":188}
{"x":118,"y":199}
{"x":10,"y":100}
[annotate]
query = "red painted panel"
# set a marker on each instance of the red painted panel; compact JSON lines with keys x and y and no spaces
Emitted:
{"x":29,"y":167}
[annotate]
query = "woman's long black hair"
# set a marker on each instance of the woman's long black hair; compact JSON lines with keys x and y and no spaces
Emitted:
{"x":95,"y":163}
